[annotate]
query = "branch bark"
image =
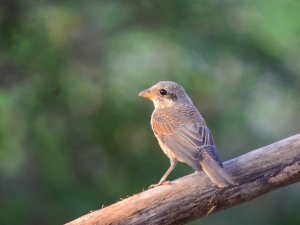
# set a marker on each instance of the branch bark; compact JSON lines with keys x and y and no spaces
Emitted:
{"x":193,"y":196}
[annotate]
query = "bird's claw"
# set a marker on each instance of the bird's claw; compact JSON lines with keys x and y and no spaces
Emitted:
{"x":153,"y":186}
{"x":159,"y":184}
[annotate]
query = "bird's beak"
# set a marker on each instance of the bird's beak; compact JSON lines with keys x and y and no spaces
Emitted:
{"x":147,"y":94}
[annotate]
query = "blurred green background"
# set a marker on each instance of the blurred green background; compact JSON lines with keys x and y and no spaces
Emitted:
{"x":74,"y":135}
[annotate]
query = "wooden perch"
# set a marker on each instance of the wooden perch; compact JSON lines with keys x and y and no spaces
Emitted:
{"x":193,"y":196}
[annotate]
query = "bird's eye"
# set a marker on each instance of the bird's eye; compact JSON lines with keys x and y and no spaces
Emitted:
{"x":163,"y":92}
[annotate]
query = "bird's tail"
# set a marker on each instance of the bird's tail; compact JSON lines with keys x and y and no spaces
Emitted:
{"x":215,"y":172}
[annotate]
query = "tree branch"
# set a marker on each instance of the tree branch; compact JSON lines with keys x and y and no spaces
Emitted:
{"x":193,"y":196}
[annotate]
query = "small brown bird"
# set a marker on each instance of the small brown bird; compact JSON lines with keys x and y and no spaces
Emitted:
{"x":182,"y":133}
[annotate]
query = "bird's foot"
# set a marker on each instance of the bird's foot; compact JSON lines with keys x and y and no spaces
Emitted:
{"x":153,"y":186}
{"x":159,"y":184}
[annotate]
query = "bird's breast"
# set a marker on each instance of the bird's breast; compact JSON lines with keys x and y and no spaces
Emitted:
{"x":165,"y":122}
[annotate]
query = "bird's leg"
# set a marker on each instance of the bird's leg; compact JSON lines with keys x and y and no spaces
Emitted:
{"x":173,"y":164}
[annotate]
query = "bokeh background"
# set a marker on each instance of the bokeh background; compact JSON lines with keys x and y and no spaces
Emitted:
{"x":74,"y":135}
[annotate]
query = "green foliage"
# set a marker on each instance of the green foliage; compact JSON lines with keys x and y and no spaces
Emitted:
{"x":75,"y":136}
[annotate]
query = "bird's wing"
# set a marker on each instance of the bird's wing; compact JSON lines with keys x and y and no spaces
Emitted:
{"x":189,"y":142}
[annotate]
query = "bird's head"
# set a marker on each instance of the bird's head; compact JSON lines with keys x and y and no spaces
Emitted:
{"x":166,"y":94}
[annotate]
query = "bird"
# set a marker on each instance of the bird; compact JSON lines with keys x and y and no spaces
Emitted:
{"x":182,"y":133}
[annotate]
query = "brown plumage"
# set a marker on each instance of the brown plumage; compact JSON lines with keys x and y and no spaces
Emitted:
{"x":182,"y":133}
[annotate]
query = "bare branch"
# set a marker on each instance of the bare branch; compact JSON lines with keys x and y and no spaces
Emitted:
{"x":193,"y":196}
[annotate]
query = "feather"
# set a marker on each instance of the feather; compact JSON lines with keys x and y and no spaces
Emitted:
{"x":190,"y":142}
{"x":215,"y":172}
